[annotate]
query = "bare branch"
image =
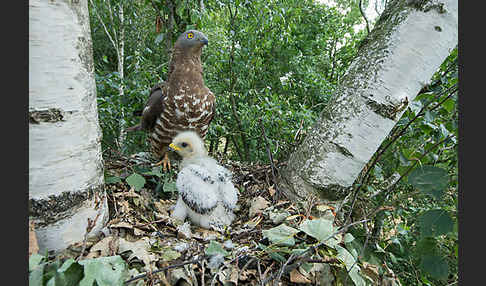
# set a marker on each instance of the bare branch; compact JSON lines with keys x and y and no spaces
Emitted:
{"x":115,"y":44}
{"x":364,"y":16}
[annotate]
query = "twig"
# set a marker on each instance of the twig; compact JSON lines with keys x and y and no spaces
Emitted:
{"x":416,"y":162}
{"x":364,"y":16}
{"x":387,"y":192}
{"x":260,"y":273}
{"x":203,"y":270}
{"x":89,"y":227}
{"x":270,"y":157}
{"x":165,"y":268}
{"x":300,"y":129}
{"x":280,"y":272}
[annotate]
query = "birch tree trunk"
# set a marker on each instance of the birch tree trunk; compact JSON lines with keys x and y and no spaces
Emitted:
{"x":121,"y":72}
{"x":66,"y":185}
{"x":400,"y":55}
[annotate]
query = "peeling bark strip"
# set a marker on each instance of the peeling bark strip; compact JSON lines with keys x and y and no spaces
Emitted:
{"x":54,"y":208}
{"x":393,"y":64}
{"x":387,"y":110}
{"x":49,"y":115}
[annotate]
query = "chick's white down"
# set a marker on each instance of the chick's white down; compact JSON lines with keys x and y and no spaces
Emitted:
{"x":206,"y":194}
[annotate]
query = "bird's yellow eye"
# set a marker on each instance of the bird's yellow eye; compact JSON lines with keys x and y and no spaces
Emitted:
{"x":190,"y":35}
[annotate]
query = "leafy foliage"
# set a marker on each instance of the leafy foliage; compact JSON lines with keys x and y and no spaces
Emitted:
{"x":429,"y":180}
{"x":111,"y":270}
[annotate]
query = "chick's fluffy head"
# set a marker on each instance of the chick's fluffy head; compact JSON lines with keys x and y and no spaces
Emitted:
{"x":188,"y":144}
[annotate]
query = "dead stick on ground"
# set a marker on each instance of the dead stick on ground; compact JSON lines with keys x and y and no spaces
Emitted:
{"x":89,"y":227}
{"x":165,"y":268}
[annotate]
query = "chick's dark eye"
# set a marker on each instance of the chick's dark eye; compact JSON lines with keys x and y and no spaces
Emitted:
{"x":184,"y":144}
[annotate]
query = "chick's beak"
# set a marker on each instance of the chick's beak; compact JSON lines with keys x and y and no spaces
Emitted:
{"x":173,"y":147}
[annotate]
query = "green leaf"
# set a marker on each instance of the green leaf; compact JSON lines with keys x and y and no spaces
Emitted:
{"x":429,"y":180}
{"x":435,"y":222}
{"x":281,"y":235}
{"x":429,"y":116}
{"x":154,"y":172}
{"x":214,"y":248}
{"x":349,"y":260}
{"x":159,"y":38}
{"x":449,"y":105}
{"x":320,"y":229}
{"x":69,"y":274}
{"x":426,"y":246}
{"x":277,"y":256}
{"x":112,"y":180}
{"x":435,"y":266}
{"x":105,"y":271}
{"x":34,"y":260}
{"x":36,"y":276}
{"x":415,"y":106}
{"x":170,"y":254}
{"x":169,"y":187}
{"x":136,"y":181}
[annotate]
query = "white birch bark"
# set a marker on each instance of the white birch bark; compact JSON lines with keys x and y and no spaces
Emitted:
{"x":403,"y":51}
{"x":121,"y":72}
{"x":66,"y":185}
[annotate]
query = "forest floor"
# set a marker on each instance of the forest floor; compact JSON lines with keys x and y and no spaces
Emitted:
{"x":163,"y":251}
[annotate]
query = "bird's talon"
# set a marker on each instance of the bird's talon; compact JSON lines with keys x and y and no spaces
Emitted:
{"x":165,"y":163}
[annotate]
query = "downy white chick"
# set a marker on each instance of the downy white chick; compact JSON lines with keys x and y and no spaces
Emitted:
{"x":206,"y":194}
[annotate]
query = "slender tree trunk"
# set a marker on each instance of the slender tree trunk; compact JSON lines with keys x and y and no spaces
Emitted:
{"x":66,"y":186}
{"x":121,"y":63}
{"x":398,"y":58}
{"x":117,"y":40}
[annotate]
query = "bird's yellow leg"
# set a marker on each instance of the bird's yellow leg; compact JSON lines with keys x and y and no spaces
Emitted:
{"x":165,"y":162}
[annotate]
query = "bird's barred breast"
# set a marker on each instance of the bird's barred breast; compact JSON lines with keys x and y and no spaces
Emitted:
{"x":181,"y":115}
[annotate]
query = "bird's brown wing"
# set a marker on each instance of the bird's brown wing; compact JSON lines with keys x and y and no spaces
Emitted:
{"x":152,"y":109}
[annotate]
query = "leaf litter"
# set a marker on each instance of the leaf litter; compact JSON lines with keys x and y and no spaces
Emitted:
{"x":141,"y":238}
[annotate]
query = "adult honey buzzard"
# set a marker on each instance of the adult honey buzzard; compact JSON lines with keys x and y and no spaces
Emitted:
{"x":182,"y":102}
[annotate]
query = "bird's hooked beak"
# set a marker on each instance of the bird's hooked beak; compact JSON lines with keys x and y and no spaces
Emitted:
{"x":203,"y":39}
{"x":173,"y":147}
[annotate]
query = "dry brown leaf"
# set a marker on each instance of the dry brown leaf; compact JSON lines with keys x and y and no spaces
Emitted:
{"x":162,"y":208}
{"x":257,"y":205}
{"x":324,"y":208}
{"x":233,"y":278}
{"x":271,"y":190}
{"x":33,"y":246}
{"x":297,"y":277}
{"x":140,"y":250}
{"x":102,"y":248}
{"x":138,"y":232}
{"x":245,"y":275}
{"x":371,"y":271}
{"x":120,"y":224}
{"x":125,"y":206}
{"x":131,"y":193}
{"x":206,"y":234}
{"x":253,"y":222}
